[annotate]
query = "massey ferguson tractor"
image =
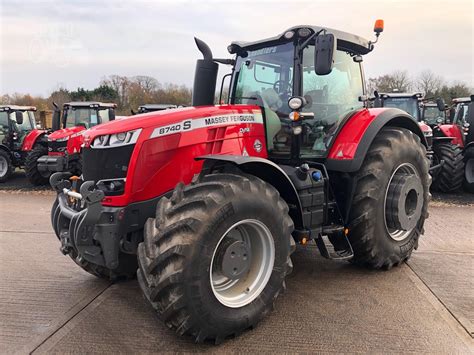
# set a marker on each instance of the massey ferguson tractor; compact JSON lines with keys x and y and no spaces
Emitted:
{"x":61,"y":151}
{"x":213,"y":198}
{"x":18,"y":136}
{"x":462,"y":131}
{"x":447,"y":165}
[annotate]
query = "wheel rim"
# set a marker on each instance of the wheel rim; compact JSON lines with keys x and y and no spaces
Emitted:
{"x":469,"y":171}
{"x":403,"y":202}
{"x":242,"y":263}
{"x":3,"y":166}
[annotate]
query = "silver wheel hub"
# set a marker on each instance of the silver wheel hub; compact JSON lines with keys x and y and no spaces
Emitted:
{"x":242,"y":263}
{"x":403,"y":202}
{"x":3,"y":166}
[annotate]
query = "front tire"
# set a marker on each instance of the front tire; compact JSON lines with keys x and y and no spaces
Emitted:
{"x":31,"y":166}
{"x":391,"y":199}
{"x":468,"y":182}
{"x":6,"y":167}
{"x":450,"y":176}
{"x":211,"y":244}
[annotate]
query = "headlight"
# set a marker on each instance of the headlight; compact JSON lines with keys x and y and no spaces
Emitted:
{"x":62,"y":139}
{"x":296,"y":102}
{"x":116,"y":139}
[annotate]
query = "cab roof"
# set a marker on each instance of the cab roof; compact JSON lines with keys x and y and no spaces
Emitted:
{"x":462,"y":99}
{"x":157,"y":106}
{"x":17,"y":108}
{"x":345,"y":41}
{"x":90,"y":104}
{"x":417,"y":95}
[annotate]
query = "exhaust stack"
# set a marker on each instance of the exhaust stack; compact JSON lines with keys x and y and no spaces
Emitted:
{"x":205,"y":76}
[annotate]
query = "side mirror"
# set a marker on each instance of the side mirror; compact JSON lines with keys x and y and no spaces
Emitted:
{"x":111,"y":114}
{"x":19,"y":117}
{"x":324,"y":48}
{"x":56,"y":120}
{"x":440,"y":104}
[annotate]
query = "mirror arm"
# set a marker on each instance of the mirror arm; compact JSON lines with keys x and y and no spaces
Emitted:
{"x":313,"y":36}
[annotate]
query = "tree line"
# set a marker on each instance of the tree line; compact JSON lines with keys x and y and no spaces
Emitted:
{"x":130,"y":92}
{"x":127,"y":92}
{"x":428,"y":83}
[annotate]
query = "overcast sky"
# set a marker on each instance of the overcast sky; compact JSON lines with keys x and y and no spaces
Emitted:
{"x":45,"y":44}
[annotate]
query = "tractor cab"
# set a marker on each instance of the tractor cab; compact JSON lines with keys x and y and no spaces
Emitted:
{"x":18,"y":133}
{"x":305,"y":92}
{"x":464,"y":117}
{"x":63,"y":147}
{"x":408,"y":102}
{"x":431,"y":113}
{"x":153,"y":107}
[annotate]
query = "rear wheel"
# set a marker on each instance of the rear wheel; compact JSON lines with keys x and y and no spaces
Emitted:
{"x":391,"y":199}
{"x":450,"y":176}
{"x":215,"y":258}
{"x":31,"y":166}
{"x":468,"y":183}
{"x":127,"y":262}
{"x":6,"y":167}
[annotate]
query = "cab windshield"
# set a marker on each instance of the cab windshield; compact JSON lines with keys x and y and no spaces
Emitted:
{"x":407,"y":104}
{"x":461,"y":113}
{"x":431,"y":114}
{"x":265,"y":77}
{"x":85,"y":116}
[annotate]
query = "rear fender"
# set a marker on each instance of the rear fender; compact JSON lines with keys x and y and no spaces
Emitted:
{"x":266,"y":170}
{"x":354,"y":139}
{"x":5,"y":148}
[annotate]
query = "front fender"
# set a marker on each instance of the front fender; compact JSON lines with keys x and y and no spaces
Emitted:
{"x":31,"y":139}
{"x":265,"y":170}
{"x":358,"y":132}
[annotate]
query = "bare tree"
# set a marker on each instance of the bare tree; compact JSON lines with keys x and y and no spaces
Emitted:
{"x":396,"y":81}
{"x":429,"y":83}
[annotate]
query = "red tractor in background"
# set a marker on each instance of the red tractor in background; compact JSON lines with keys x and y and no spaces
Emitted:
{"x":18,"y":135}
{"x":213,"y":198}
{"x":462,"y":132}
{"x":62,"y":150}
{"x":447,"y":164}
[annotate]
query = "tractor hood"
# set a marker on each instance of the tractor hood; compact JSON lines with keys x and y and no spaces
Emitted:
{"x":65,"y":133}
{"x":148,"y":122}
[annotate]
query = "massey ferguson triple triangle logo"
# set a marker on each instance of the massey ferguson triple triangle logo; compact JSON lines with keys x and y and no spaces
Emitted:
{"x":202,"y":122}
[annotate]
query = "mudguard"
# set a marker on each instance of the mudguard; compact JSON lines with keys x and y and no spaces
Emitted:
{"x":355,"y":137}
{"x":31,"y":139}
{"x":265,"y":170}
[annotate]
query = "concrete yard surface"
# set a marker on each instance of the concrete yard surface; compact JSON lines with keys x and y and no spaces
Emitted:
{"x":49,"y":305}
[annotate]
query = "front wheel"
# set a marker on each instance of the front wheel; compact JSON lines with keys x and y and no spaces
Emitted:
{"x":6,"y":167}
{"x":35,"y":176}
{"x":450,"y":176}
{"x":391,"y":199}
{"x":214,"y":259}
{"x":468,"y":183}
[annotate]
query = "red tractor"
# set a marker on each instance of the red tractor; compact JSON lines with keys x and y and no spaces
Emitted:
{"x":62,"y":150}
{"x":18,"y":135}
{"x":213,"y":198}
{"x":446,"y":159}
{"x":462,"y":131}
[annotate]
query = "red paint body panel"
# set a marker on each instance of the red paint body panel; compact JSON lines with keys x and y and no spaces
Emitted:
{"x":74,"y":142}
{"x":157,"y":164}
{"x":348,"y":139}
{"x":31,"y":139}
{"x":452,"y":130}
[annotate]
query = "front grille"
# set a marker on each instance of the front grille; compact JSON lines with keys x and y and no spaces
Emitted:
{"x":110,"y":163}
{"x":55,"y":146}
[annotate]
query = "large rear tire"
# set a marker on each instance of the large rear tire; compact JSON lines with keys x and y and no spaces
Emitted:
{"x":391,"y":199}
{"x":468,"y":182}
{"x":31,"y":166}
{"x":128,"y":264}
{"x":221,"y":226}
{"x":6,"y":167}
{"x":451,"y":174}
